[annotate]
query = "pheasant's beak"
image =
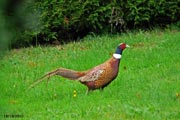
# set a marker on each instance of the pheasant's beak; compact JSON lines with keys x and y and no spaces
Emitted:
{"x":127,"y":46}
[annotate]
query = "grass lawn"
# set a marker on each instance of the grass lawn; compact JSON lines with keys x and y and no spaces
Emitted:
{"x":147,"y":87}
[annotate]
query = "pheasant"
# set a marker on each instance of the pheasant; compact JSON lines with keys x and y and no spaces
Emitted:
{"x":95,"y":78}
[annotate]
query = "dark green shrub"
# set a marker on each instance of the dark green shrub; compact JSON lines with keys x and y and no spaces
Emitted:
{"x":72,"y":19}
{"x":63,"y":20}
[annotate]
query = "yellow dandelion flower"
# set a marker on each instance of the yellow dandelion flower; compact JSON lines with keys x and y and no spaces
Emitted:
{"x":75,"y":93}
{"x":177,"y":94}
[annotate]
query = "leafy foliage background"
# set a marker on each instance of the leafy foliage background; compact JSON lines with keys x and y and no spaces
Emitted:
{"x":64,"y":20}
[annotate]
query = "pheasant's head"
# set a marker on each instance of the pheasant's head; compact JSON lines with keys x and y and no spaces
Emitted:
{"x":123,"y":46}
{"x":119,"y":50}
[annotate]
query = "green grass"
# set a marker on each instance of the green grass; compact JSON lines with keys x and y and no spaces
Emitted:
{"x":146,"y":87}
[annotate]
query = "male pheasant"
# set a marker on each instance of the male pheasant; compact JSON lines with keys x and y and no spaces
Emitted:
{"x":95,"y":78}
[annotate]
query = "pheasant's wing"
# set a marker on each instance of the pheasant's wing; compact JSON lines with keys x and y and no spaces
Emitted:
{"x":92,"y":75}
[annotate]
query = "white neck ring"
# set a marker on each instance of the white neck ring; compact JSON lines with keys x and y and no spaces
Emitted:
{"x":117,"y":56}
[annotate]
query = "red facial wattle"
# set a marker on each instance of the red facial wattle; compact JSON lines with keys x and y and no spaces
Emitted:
{"x":122,"y":46}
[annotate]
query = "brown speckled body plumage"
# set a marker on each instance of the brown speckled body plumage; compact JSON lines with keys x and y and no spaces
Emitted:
{"x":100,"y":76}
{"x":95,"y":78}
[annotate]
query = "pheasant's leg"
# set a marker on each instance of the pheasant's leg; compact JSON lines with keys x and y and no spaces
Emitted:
{"x":47,"y":81}
{"x":87,"y":91}
{"x":101,"y":89}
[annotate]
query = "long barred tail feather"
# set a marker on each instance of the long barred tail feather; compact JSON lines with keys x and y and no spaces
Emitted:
{"x":48,"y":75}
{"x":66,"y":73}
